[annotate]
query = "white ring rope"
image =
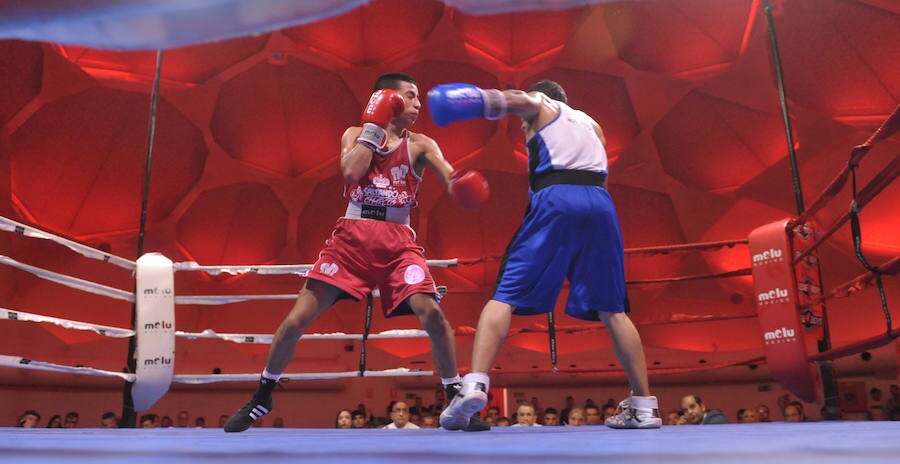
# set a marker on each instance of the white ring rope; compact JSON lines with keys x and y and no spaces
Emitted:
{"x":227,"y":299}
{"x":104,"y":330}
{"x":299,"y":269}
{"x":25,"y":363}
{"x":116,"y":332}
{"x":9,"y":225}
{"x":267,"y":338}
{"x":398,"y":372}
{"x":69,"y":281}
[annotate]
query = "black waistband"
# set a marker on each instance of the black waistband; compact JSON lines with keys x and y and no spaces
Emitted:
{"x":568,"y":177}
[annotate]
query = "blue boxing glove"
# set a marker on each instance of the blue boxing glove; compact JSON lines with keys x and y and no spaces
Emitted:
{"x":459,"y":102}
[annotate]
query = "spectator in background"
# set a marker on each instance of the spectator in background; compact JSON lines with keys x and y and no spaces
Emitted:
{"x":149,"y":421}
{"x":609,"y":410}
{"x":278,"y":423}
{"x":182,"y":419}
{"x":551,"y":417}
{"x":525,"y":416}
{"x":200,"y":422}
{"x":592,"y":414}
{"x":793,"y":412}
{"x":55,"y":422}
{"x":166,"y":422}
{"x":493,"y":412}
{"x":503,"y":421}
{"x":892,"y":404}
{"x":400,"y":417}
{"x":673,"y":417}
{"x":429,"y":421}
{"x":109,"y":420}
{"x":747,"y":416}
{"x":71,"y":420}
{"x":358,"y":419}
{"x":695,"y":412}
{"x":222,"y":420}
{"x":564,"y":414}
{"x":344,"y":419}
{"x":576,"y":417}
{"x":29,"y":419}
{"x":762,"y":413}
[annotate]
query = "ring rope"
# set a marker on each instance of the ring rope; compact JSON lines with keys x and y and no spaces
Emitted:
{"x":867,"y":194}
{"x":887,"y":128}
{"x":104,"y":330}
{"x":69,"y":281}
{"x":267,"y":338}
{"x":25,"y":363}
{"x":211,"y":378}
{"x":685,"y":247}
{"x":9,"y":225}
{"x":717,"y":275}
{"x":298,"y":269}
{"x":860,"y":282}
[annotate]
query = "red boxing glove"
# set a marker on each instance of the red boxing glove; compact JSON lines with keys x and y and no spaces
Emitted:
{"x":384,"y":105}
{"x":469,"y":189}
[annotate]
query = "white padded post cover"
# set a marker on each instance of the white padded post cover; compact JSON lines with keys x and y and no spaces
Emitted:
{"x":154,"y":329}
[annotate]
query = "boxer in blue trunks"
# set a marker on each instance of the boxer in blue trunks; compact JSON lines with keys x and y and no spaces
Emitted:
{"x":571,"y":230}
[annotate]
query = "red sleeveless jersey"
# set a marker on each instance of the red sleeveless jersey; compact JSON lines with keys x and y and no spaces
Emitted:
{"x":390,"y":181}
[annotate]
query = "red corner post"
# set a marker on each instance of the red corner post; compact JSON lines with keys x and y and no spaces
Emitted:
{"x":775,"y":282}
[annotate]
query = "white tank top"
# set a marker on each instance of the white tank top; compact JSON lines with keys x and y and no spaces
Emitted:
{"x":568,"y":142}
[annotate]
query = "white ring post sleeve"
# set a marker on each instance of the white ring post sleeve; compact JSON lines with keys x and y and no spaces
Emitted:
{"x":154,"y":329}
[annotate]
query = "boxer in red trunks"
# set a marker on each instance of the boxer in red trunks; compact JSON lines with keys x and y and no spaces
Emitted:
{"x":372,"y":245}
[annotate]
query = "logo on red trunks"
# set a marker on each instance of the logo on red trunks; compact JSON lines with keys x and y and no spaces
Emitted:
{"x":381,"y":181}
{"x":414,"y":274}
{"x":328,"y":268}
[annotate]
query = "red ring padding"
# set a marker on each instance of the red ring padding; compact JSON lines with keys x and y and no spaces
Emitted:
{"x":771,"y":253}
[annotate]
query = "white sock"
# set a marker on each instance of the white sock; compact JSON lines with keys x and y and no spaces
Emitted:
{"x":451,"y":380}
{"x":644,"y":402}
{"x":477,"y":377}
{"x":268,"y":375}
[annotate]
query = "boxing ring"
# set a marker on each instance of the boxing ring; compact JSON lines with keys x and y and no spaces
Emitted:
{"x":791,"y":307}
{"x":808,"y":443}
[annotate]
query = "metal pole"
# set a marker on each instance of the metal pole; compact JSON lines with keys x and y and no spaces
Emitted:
{"x":826,"y":369}
{"x":129,"y":415}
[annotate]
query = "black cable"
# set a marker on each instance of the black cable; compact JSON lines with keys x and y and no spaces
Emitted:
{"x":368,"y":327}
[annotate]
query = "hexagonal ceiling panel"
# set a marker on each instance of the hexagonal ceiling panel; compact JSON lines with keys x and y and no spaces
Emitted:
{"x":274,"y":117}
{"x":78,"y":164}
{"x":373,"y":33}
{"x":189,"y":65}
{"x":839,"y":57}
{"x":686,"y":36}
{"x":724,"y":146}
{"x":237,"y":224}
{"x":17,"y":89}
{"x":515,"y":40}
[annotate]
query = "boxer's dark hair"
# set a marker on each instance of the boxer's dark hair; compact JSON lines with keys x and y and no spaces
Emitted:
{"x":392,"y":81}
{"x":550,"y":89}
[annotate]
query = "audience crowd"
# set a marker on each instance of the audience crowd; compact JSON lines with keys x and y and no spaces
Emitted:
{"x":414,"y":415}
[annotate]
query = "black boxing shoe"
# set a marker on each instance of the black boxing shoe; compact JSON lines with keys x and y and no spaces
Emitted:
{"x":253,"y":410}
